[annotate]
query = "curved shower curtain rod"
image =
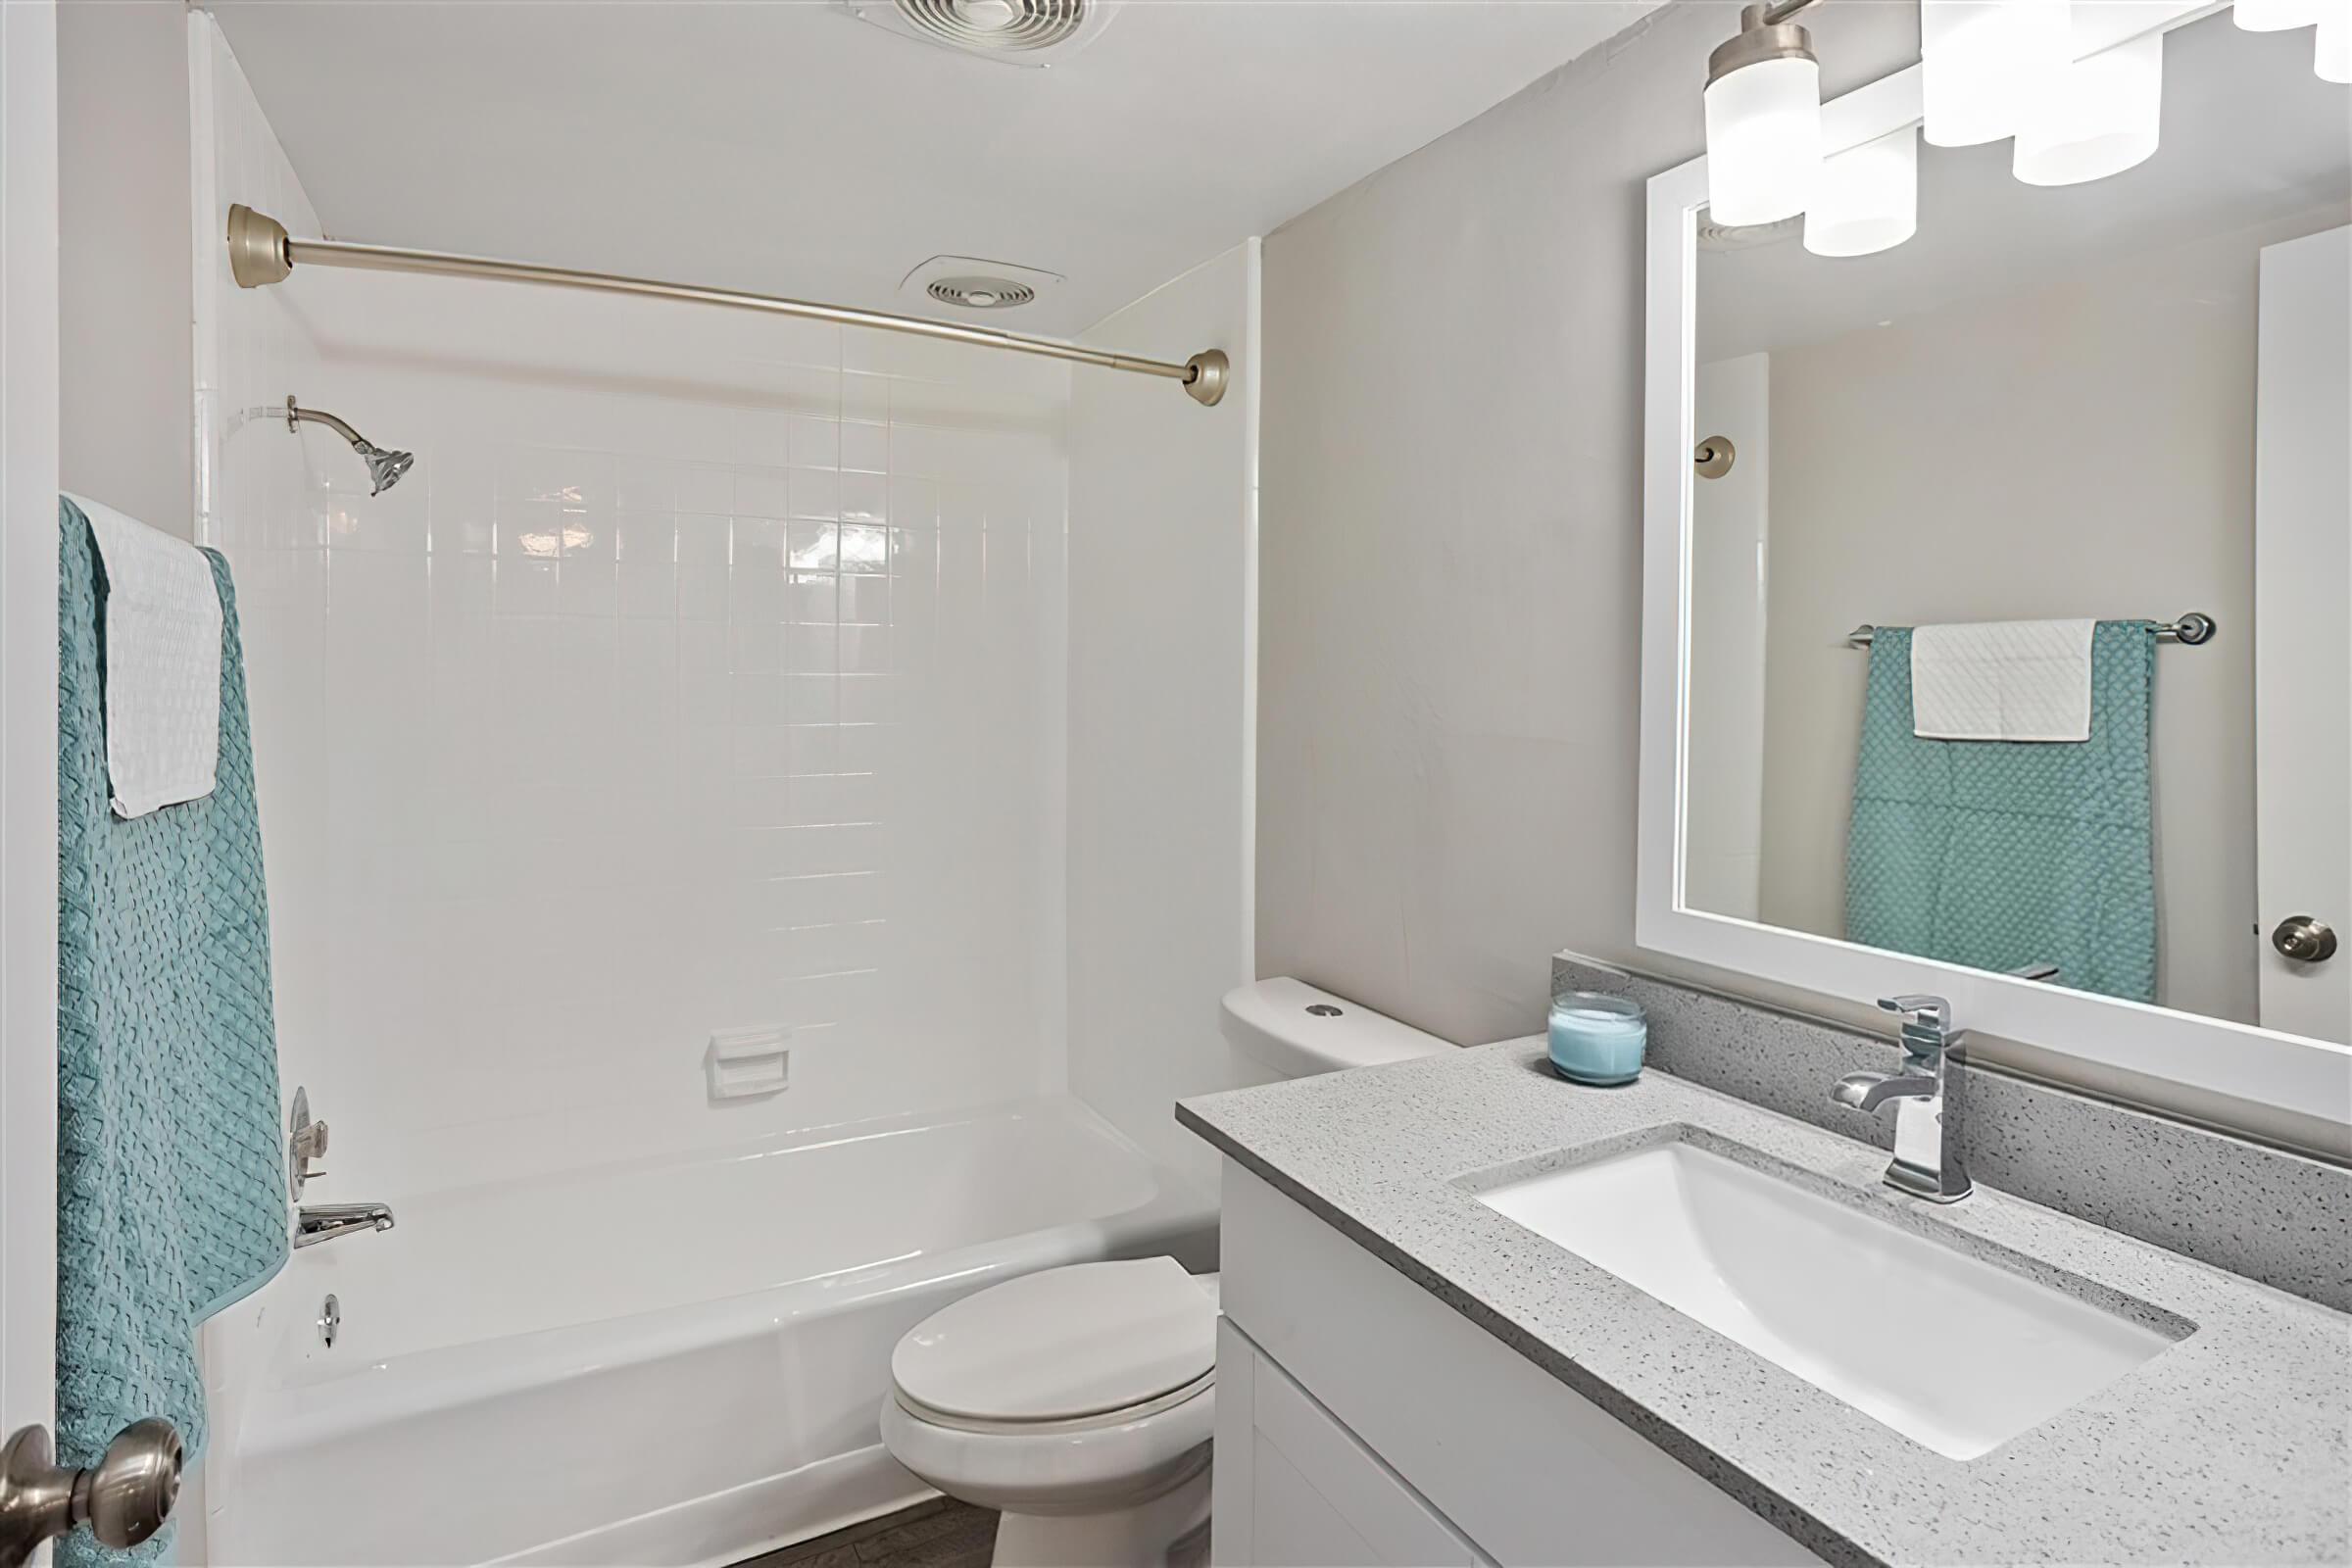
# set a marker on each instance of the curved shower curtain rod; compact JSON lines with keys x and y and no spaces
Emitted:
{"x":261,"y":251}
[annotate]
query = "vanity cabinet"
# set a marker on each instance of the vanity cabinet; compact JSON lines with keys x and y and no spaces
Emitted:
{"x":1361,"y":1420}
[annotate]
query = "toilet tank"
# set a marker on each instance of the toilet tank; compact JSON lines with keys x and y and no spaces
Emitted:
{"x":1295,"y":1029}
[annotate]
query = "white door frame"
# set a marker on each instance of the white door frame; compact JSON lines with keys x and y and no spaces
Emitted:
{"x":28,"y":712}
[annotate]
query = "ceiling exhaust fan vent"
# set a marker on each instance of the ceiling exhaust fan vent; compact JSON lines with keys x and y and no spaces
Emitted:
{"x":1015,"y":33}
{"x":971,"y":283}
{"x":980,"y":293}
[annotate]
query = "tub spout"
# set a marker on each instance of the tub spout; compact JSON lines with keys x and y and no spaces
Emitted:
{"x":323,"y":1223}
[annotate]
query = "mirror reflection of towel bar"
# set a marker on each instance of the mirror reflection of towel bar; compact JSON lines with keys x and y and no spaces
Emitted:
{"x":2192,"y":628}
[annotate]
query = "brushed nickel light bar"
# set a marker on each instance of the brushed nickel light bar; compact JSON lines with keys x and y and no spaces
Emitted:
{"x":262,"y":252}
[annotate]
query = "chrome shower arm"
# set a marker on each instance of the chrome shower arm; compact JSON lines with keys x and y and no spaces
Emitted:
{"x":296,"y":414}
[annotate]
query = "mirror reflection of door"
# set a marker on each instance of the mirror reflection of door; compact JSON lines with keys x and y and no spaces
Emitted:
{"x":2043,"y":408}
{"x":1729,"y":519}
{"x":2302,"y":577}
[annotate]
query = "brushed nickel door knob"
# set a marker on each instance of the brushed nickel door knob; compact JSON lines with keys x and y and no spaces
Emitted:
{"x":2304,"y":939}
{"x":124,"y":1498}
{"x":128,"y":1494}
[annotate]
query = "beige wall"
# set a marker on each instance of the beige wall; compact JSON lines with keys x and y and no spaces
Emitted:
{"x":1451,"y":537}
{"x":2108,"y":470}
{"x":125,"y":296}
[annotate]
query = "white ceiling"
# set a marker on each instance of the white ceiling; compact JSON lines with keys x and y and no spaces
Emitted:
{"x":787,"y":147}
{"x":2250,"y":137}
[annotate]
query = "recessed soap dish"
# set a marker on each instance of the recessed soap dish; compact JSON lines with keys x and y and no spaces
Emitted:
{"x":748,"y":1063}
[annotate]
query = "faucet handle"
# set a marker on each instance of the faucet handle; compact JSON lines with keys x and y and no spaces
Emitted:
{"x":1933,"y":1011}
{"x":1927,"y":1034}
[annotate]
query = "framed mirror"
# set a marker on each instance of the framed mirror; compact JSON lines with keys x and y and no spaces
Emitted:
{"x":1998,"y":583}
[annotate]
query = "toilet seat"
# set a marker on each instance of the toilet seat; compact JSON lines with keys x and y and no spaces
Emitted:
{"x":1074,"y":1349}
{"x":1083,"y":1423}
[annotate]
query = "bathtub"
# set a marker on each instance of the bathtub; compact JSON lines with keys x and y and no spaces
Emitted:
{"x":673,"y":1363}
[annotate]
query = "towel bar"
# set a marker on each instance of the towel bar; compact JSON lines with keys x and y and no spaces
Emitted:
{"x":2194,"y":628}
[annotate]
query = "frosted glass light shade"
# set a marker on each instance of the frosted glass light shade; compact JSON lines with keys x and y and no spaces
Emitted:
{"x":2102,"y":118}
{"x":2274,"y":16}
{"x":2332,"y":53}
{"x":1868,"y":197}
{"x":1763,"y":141}
{"x":1985,"y":63}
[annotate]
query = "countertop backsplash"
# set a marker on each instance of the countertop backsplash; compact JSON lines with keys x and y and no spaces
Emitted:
{"x":2282,"y":1218}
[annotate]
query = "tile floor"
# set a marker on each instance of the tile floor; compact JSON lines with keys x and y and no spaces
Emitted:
{"x":939,"y":1533}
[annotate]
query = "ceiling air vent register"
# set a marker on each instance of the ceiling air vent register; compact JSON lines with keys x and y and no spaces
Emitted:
{"x":1015,"y":33}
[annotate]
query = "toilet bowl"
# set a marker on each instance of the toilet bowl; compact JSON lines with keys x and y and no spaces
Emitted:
{"x":1076,"y":1401}
{"x":1079,"y":1401}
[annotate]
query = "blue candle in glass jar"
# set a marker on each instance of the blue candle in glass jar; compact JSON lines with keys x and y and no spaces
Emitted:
{"x":1597,"y":1039}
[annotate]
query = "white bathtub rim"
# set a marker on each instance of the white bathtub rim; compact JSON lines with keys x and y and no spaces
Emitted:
{"x":799,"y":1140}
{"x":873,"y":1484}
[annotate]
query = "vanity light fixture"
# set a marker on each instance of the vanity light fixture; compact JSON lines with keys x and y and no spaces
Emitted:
{"x":1984,"y":65}
{"x":1990,"y":70}
{"x":2103,"y":119}
{"x":1868,"y":197}
{"x":2277,"y":16}
{"x":1763,"y":107}
{"x":2331,"y":48}
{"x":2332,"y":54}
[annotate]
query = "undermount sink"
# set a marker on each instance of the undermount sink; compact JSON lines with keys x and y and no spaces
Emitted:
{"x":1947,"y":1349}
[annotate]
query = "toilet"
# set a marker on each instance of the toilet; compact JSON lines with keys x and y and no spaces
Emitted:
{"x":1079,"y":1401}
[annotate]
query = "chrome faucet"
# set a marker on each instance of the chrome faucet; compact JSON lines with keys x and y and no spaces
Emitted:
{"x":1926,"y":1095}
{"x":323,"y":1223}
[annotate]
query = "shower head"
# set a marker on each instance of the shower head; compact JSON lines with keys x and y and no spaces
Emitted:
{"x":384,"y":468}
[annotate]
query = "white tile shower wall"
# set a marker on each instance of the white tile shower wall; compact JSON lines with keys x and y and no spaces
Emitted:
{"x":704,"y":673}
{"x":252,"y":348}
{"x":1164,"y":603}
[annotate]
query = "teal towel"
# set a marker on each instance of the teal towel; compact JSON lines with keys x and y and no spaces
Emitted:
{"x":2001,"y":853}
{"x":171,"y":1200}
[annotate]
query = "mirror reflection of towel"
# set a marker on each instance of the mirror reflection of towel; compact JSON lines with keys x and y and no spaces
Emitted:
{"x":2001,"y":680}
{"x":1998,"y":853}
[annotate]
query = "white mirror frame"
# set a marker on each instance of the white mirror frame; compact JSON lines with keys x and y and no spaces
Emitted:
{"x":2309,"y":1077}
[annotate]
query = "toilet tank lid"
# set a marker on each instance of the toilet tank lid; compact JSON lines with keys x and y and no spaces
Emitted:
{"x":1297,"y":1030}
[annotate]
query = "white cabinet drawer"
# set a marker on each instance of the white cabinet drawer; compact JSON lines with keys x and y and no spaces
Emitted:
{"x":1513,"y":1459}
{"x":1296,"y":1490}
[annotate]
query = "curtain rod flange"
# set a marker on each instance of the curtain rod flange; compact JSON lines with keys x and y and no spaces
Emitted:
{"x":1209,"y":370}
{"x":258,"y":252}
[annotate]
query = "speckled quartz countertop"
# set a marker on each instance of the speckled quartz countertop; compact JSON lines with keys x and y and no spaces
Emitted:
{"x":2229,"y":1447}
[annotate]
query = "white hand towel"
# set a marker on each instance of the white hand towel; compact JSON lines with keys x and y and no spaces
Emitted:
{"x":2003,"y":680}
{"x":163,"y":664}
